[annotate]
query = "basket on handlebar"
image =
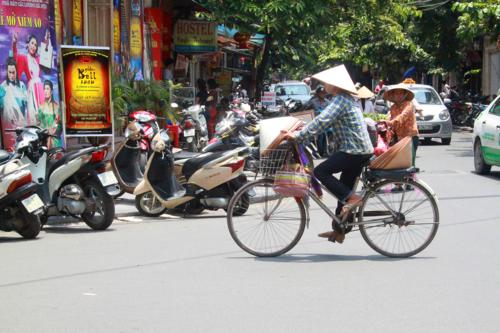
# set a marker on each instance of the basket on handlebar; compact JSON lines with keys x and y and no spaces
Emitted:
{"x":272,"y":160}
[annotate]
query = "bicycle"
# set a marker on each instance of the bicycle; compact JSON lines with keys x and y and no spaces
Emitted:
{"x":397,"y":223}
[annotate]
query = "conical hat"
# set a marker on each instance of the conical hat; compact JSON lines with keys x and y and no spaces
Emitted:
{"x":364,"y":92}
{"x":389,"y":94}
{"x":337,"y":76}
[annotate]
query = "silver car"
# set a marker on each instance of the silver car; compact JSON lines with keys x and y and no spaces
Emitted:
{"x":296,"y":90}
{"x":434,"y":121}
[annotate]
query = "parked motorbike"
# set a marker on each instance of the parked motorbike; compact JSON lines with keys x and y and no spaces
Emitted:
{"x":20,"y":206}
{"x":127,"y":159}
{"x":148,"y":125}
{"x":207,"y":181}
{"x":475,"y":110}
{"x":194,"y":131}
{"x":238,"y":130}
{"x":76,"y":184}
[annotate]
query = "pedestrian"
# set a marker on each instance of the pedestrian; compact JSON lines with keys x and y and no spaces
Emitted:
{"x":353,"y":147}
{"x":379,"y":86}
{"x":365,"y":95}
{"x":168,"y":72}
{"x":202,"y":94}
{"x":212,"y":101}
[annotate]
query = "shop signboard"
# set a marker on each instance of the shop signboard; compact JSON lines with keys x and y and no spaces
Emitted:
{"x":268,"y":98}
{"x":29,"y":92}
{"x":154,"y":16}
{"x":87,"y":93}
{"x":195,"y":36}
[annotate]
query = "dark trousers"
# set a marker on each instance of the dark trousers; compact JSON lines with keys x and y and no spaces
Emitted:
{"x":415,"y":146}
{"x":350,"y":167}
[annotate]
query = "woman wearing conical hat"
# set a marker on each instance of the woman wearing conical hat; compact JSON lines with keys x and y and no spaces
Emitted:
{"x":352,"y":143}
{"x":402,"y":116}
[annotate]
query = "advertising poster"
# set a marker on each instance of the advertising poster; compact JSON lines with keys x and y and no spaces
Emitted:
{"x":77,"y":24}
{"x":195,"y":36}
{"x":29,"y":93}
{"x":87,"y":90}
{"x":136,"y":45}
{"x":116,"y":31}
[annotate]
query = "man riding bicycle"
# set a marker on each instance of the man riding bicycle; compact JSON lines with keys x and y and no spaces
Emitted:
{"x":353,"y":147}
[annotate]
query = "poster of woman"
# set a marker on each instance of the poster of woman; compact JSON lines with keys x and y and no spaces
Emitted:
{"x":28,"y":40}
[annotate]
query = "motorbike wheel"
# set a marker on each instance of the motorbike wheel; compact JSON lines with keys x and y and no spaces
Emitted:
{"x":122,"y":192}
{"x":31,"y":227}
{"x":104,"y":213}
{"x":192,"y":146}
{"x":148,"y":205}
{"x":194,"y":207}
{"x":241,"y":207}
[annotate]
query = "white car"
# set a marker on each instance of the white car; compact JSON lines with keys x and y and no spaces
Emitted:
{"x":296,"y":90}
{"x":487,"y":138}
{"x":435,"y":121}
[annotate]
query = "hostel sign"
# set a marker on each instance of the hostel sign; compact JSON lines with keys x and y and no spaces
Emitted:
{"x":195,"y":36}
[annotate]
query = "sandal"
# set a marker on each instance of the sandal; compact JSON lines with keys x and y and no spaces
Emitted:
{"x":333,"y":236}
{"x":354,"y":202}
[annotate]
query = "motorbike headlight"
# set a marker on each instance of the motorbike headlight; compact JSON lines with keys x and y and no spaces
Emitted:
{"x":444,"y":115}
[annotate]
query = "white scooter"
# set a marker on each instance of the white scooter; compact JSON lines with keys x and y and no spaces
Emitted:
{"x":76,"y":184}
{"x":20,"y":206}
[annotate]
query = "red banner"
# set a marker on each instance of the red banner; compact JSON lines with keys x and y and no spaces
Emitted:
{"x":153,"y":17}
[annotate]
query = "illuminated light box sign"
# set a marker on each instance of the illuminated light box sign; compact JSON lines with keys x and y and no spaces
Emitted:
{"x":87,"y":90}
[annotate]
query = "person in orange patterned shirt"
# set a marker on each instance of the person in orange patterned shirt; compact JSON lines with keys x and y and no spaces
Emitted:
{"x":402,"y":115}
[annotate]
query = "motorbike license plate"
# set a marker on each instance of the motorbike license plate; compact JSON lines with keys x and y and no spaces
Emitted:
{"x":189,"y":132}
{"x":32,"y":203}
{"x":107,"y":178}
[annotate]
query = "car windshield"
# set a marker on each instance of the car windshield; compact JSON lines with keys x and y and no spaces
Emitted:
{"x":296,"y":89}
{"x":426,"y":96}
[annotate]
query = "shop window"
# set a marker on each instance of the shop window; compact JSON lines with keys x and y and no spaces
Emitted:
{"x":99,"y":23}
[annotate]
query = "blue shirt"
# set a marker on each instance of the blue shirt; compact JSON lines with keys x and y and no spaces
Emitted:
{"x":345,"y":119}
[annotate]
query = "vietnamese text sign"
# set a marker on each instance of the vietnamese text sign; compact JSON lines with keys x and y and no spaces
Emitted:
{"x":268,"y":98}
{"x":195,"y":36}
{"x":87,"y":90}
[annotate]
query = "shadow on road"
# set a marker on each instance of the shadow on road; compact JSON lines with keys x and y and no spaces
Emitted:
{"x":316,"y":258}
{"x":14,"y":239}
{"x":70,"y":230}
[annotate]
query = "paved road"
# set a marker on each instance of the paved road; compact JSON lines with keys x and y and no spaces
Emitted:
{"x":186,"y":275}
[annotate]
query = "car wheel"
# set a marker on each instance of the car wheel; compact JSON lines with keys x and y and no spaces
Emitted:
{"x":479,"y":164}
{"x":427,"y":141}
{"x":446,"y":141}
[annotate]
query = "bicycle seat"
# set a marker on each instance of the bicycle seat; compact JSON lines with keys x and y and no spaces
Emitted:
{"x":392,"y":174}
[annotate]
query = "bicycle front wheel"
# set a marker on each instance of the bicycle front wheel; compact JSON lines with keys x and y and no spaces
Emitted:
{"x":272,"y":225}
{"x":398,"y":219}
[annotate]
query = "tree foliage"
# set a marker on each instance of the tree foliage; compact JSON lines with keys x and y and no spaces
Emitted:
{"x":304,"y":36}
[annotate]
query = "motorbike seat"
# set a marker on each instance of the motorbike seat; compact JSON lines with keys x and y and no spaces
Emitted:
{"x":52,"y":166}
{"x":4,"y":156}
{"x":184,"y":154}
{"x":196,"y":163}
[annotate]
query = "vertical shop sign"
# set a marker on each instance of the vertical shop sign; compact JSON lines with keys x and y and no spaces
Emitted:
{"x":168,"y":33}
{"x":87,"y":90}
{"x":116,"y":31}
{"x":77,"y":25}
{"x":153,"y":17}
{"x":29,"y":93}
{"x":136,"y":44}
{"x":59,"y":21}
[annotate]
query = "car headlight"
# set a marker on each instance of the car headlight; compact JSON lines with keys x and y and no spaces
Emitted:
{"x":444,"y":115}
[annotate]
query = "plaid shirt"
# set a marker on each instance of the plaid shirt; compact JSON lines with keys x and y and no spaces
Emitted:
{"x":346,"y":121}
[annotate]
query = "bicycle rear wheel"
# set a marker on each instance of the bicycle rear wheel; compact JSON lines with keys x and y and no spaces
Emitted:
{"x":272,"y":225}
{"x":399,"y":219}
